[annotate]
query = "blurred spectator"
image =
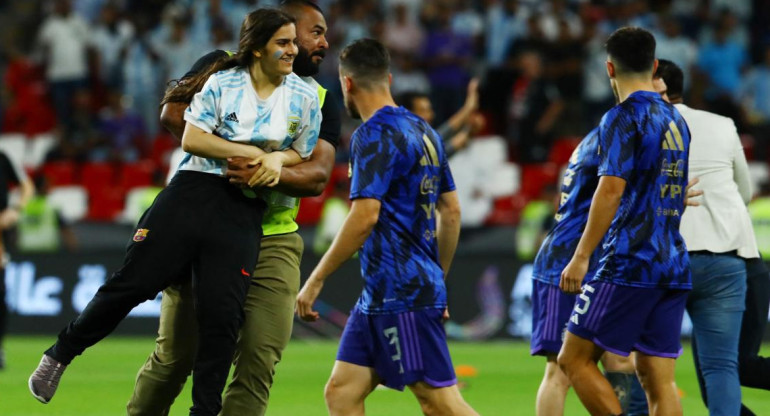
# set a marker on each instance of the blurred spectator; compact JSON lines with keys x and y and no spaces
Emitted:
{"x":179,"y":50}
{"x":41,"y":228}
{"x":403,"y":36}
{"x":671,"y":44}
{"x":455,"y":132}
{"x":89,"y":9}
{"x":122,"y":135}
{"x":504,"y":23}
{"x":143,"y":76}
{"x":412,"y":7}
{"x":533,"y":39}
{"x":557,"y":15}
{"x":692,"y":14}
{"x":64,"y":39}
{"x":222,"y":36}
{"x":740,"y":8}
{"x":407,"y":77}
{"x":736,"y":32}
{"x":639,"y":14}
{"x":25,"y":103}
{"x":355,"y":25}
{"x":755,"y":96}
{"x":565,"y":62}
{"x":111,"y":37}
{"x":80,"y":134}
{"x":446,"y":57}
{"x":534,"y":107}
{"x":467,"y":21}
{"x":721,"y":61}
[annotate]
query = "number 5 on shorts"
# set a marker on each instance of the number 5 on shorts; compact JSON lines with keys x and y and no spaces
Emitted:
{"x":581,"y":310}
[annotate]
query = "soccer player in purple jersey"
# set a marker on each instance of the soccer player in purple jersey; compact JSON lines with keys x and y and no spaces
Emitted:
{"x":551,"y":308}
{"x":637,"y":297}
{"x":405,"y":220}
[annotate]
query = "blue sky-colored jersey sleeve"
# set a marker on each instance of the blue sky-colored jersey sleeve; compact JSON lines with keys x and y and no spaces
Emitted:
{"x":617,"y":136}
{"x":310,"y":126}
{"x":372,"y":163}
{"x":203,"y":111}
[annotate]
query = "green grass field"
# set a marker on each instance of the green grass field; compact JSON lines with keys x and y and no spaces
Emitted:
{"x":101,"y":382}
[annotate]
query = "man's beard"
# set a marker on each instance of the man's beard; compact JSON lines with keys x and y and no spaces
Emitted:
{"x":304,"y":65}
{"x":352,"y":109}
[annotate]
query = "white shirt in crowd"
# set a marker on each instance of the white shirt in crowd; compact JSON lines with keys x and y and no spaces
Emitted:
{"x":66,"y":39}
{"x":721,"y":223}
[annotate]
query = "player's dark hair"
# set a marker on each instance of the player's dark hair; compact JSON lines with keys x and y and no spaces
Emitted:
{"x":290,"y":6}
{"x":257,"y":29}
{"x":631,"y":49}
{"x":367,"y":61}
{"x":407,"y":99}
{"x":673,"y":77}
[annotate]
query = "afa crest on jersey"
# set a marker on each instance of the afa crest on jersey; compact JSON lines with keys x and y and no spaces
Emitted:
{"x":141,"y":234}
{"x":293,"y":125}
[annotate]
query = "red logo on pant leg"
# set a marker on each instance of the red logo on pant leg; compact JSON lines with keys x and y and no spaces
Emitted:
{"x":245,"y":273}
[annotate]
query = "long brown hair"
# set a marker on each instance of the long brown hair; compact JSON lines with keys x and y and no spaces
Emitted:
{"x":257,"y":29}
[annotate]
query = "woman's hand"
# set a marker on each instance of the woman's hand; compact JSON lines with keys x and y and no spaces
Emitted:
{"x":268,"y":170}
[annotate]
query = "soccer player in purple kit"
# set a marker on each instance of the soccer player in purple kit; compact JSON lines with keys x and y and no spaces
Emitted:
{"x":551,"y":308}
{"x":405,"y":219}
{"x":637,"y":297}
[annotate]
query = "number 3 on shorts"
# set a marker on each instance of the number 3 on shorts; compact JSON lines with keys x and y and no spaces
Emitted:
{"x":581,"y":310}
{"x":392,"y":334}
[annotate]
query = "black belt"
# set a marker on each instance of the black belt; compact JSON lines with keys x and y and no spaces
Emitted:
{"x":711,"y":253}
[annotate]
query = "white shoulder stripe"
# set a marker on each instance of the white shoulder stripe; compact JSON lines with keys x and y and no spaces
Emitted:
{"x":307,"y":93}
{"x":302,"y":88}
{"x":298,"y":83}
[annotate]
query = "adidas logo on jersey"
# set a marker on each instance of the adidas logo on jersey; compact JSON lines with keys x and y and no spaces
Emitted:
{"x":231,"y":117}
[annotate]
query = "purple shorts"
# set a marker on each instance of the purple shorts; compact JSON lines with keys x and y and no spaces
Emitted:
{"x":551,"y":309}
{"x":403,"y":348}
{"x":620,"y":319}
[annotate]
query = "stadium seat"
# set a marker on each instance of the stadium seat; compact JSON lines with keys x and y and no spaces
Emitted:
{"x":71,"y":201}
{"x":506,"y":210}
{"x":14,"y":146}
{"x":106,"y":203}
{"x":535,"y":177}
{"x":310,"y":210}
{"x":162,"y":147}
{"x":136,"y":174}
{"x":136,"y":204}
{"x":59,"y":173}
{"x":505,"y":180}
{"x":562,"y":149}
{"x":38,"y":149}
{"x":97,"y":175}
{"x":493,"y":150}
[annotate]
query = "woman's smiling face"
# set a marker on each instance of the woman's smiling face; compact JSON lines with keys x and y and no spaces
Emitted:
{"x":278,"y":55}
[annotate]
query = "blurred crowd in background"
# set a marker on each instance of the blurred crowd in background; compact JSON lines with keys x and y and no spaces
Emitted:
{"x":89,"y":74}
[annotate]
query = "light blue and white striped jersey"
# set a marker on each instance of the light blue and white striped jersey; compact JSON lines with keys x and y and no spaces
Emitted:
{"x":229,"y":107}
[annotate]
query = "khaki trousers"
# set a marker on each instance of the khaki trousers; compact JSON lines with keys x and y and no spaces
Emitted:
{"x":269,"y":311}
